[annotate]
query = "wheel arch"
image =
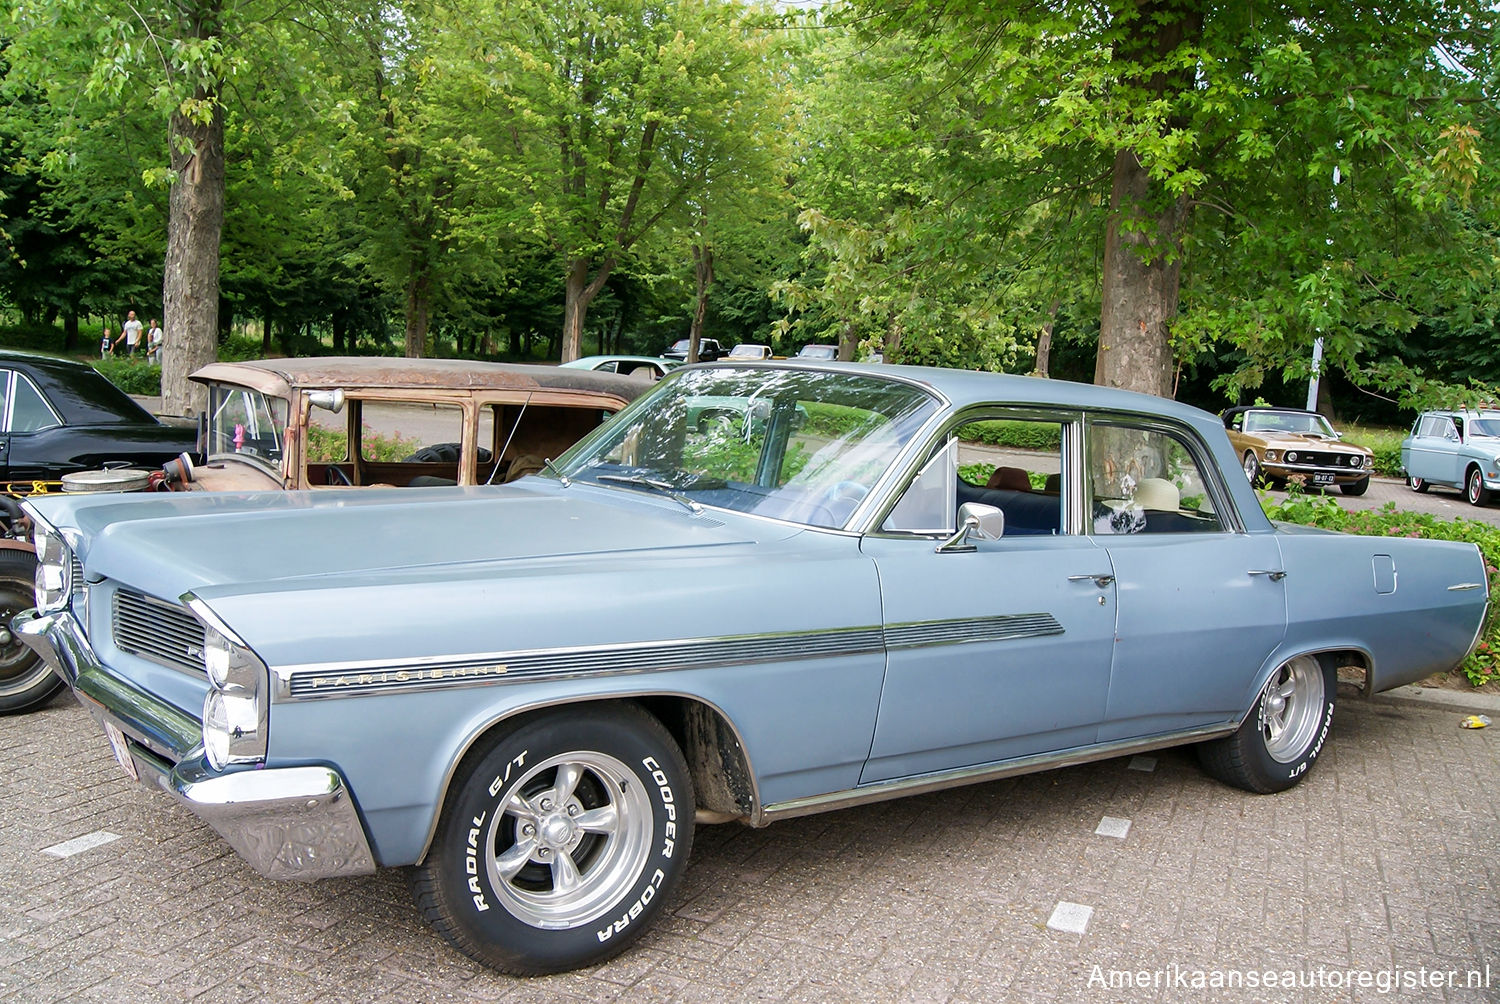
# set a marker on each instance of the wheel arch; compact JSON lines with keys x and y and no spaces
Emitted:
{"x":1340,"y":656}
{"x":724,"y":782}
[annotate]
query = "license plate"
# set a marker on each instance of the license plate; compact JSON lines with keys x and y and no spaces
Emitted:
{"x":122,"y":752}
{"x":1322,"y":478}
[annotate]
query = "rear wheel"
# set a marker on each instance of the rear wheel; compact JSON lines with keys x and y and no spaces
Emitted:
{"x":1416,"y":484}
{"x":560,"y":843}
{"x":1474,"y":489}
{"x":26,"y":681}
{"x":1278,"y":741}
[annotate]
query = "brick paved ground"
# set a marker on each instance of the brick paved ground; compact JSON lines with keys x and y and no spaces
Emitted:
{"x":1388,"y":856}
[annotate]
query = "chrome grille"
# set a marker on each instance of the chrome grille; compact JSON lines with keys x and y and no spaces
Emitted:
{"x":154,"y":629}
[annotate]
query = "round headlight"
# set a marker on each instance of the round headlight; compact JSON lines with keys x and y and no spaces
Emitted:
{"x":53,"y":583}
{"x":216,"y":658}
{"x":1291,"y":457}
{"x":1356,"y":461}
{"x":230,"y":729}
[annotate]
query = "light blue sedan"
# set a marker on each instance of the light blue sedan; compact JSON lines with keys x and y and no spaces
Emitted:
{"x":1455,"y":449}
{"x":533,"y":692}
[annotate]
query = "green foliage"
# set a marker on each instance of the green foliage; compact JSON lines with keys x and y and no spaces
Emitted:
{"x":1321,"y":511}
{"x":1020,"y":435}
{"x":979,"y":474}
{"x":325,"y":445}
{"x":834,"y":419}
{"x":133,"y":376}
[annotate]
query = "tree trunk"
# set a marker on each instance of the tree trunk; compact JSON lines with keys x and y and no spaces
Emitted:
{"x":70,"y":331}
{"x":265,"y":335}
{"x":848,"y":343}
{"x":703,"y":277}
{"x":1044,"y":342}
{"x":1143,"y":237}
{"x":190,"y":280}
{"x":580,"y":292}
{"x":418,"y":308}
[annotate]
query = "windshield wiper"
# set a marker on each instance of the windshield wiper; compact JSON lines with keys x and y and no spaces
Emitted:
{"x":547,"y":465}
{"x":655,"y":484}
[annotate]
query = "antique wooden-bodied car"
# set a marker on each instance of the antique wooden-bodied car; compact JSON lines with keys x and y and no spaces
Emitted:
{"x":498,"y":685}
{"x":305,"y":423}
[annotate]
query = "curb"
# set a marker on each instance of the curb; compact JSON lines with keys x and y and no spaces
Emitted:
{"x":1448,"y":700}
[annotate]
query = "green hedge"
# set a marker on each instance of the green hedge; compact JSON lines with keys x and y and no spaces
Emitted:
{"x":1318,"y":510}
{"x":1020,"y":435}
{"x":133,"y":376}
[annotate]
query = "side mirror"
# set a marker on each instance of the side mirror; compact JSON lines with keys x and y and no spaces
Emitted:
{"x":328,"y":400}
{"x":976,"y":521}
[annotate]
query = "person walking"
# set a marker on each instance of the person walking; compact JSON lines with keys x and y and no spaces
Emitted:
{"x":107,"y":346}
{"x":154,"y":338}
{"x":130,"y":334}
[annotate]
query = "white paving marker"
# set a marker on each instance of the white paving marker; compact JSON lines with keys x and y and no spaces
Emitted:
{"x":1111,"y":826}
{"x":1071,"y":917}
{"x":78,"y":845}
{"x":1145,"y":764}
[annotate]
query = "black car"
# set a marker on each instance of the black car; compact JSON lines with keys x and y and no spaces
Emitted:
{"x":57,"y":417}
{"x":709,"y":349}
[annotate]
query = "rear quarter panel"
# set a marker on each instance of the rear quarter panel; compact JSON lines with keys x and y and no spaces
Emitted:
{"x":1336,"y":599}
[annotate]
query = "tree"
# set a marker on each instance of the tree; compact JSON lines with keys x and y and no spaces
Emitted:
{"x":621,"y":111}
{"x":1212,"y":126}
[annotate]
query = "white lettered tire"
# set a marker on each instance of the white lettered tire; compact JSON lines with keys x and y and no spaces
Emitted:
{"x":1284,"y":732}
{"x":559,"y":844}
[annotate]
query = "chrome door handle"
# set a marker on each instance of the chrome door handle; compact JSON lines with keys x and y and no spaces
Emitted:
{"x":1099,"y":580}
{"x":1275,"y":575}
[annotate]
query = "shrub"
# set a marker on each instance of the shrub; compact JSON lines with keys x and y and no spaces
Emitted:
{"x":1020,"y":435}
{"x":133,"y":376}
{"x":1317,"y":510}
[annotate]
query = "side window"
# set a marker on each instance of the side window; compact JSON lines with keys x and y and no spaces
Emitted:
{"x":1014,"y":464}
{"x":5,"y":376}
{"x":928,"y":505}
{"x":30,"y":411}
{"x":1146,"y":480}
{"x":411,"y":432}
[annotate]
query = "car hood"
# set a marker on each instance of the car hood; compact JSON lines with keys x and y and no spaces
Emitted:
{"x":219,"y":544}
{"x":1297,"y":441}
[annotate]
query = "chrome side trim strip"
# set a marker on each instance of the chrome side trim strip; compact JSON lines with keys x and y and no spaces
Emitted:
{"x":885,"y":790}
{"x":314,"y":680}
{"x":1463,"y":586}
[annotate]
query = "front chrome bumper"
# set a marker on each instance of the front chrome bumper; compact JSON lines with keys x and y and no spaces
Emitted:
{"x":286,"y":822}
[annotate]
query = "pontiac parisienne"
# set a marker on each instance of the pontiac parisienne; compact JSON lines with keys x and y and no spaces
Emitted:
{"x":496,"y":685}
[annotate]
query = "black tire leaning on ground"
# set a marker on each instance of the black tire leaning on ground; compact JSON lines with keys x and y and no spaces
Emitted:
{"x":26,"y":681}
{"x":1356,"y":487}
{"x":604,"y":787}
{"x":1284,"y":732}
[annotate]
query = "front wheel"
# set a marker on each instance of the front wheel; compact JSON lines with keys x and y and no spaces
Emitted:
{"x":560,"y":843}
{"x":1474,"y":489}
{"x":1285,"y":731}
{"x":26,"y":681}
{"x":1252,"y":468}
{"x":1356,"y":487}
{"x":1416,"y":484}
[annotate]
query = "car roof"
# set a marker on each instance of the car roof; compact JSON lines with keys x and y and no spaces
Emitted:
{"x":392,"y":373}
{"x":81,"y":394}
{"x":659,"y":360}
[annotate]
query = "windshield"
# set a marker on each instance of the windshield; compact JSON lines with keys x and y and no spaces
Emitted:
{"x":246,"y":423}
{"x":1487,"y":428}
{"x":1288,"y":421}
{"x":798,"y":446}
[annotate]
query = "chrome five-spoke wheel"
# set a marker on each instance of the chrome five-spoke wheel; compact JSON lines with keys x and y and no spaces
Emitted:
{"x":1291,"y":709}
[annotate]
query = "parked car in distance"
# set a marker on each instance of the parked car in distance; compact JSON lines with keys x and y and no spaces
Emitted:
{"x":498,"y":686}
{"x":58,"y":417}
{"x":1280,"y":443}
{"x":335,"y":421}
{"x":1455,"y":449}
{"x":650,"y":368}
{"x":825,"y":352}
{"x":749,"y":352}
{"x":709,"y":350}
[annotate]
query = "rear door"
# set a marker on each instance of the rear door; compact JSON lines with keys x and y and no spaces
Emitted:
{"x":1201,"y":602}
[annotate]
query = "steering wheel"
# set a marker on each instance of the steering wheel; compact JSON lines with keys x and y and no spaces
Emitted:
{"x":845,"y":491}
{"x":336,"y":476}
